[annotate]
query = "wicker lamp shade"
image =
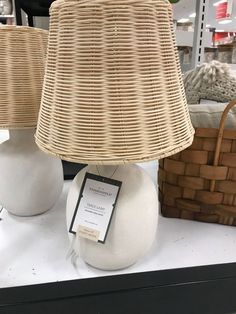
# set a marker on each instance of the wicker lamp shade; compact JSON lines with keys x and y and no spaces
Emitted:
{"x":113,"y":90}
{"x":22,"y":55}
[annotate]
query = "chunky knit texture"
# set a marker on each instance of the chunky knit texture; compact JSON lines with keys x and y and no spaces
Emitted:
{"x":213,"y":81}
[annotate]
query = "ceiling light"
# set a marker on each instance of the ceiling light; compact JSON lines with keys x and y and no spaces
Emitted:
{"x":225,"y":21}
{"x":183,"y":20}
{"x":208,"y":25}
{"x":192,"y":15}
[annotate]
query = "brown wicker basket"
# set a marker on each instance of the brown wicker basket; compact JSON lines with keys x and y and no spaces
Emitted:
{"x":199,"y":183}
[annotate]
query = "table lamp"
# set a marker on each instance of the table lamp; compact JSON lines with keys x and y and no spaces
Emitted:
{"x":31,"y":180}
{"x":113,"y":96}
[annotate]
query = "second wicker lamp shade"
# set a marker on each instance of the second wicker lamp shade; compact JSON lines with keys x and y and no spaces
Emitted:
{"x":24,"y":168}
{"x":113,"y":91}
{"x":22,"y":54}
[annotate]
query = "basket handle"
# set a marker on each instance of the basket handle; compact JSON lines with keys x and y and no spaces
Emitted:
{"x":220,"y":138}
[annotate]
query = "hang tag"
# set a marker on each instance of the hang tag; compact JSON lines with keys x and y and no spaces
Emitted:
{"x":95,"y":207}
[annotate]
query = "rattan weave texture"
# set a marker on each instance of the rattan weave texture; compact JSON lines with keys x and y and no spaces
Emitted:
{"x":113,"y":91}
{"x":22,"y":54}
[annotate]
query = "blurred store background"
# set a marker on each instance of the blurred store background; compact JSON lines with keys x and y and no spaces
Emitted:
{"x":219,"y":30}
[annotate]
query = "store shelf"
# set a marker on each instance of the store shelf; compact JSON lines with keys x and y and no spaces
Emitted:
{"x":33,"y":250}
{"x":232,"y":66}
{"x":7,"y":19}
{"x":185,"y":38}
{"x":4,"y":135}
{"x":7,"y":16}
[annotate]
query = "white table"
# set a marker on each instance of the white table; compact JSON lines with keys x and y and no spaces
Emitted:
{"x":33,"y":250}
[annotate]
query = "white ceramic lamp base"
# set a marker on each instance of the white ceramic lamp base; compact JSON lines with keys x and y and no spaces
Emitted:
{"x":133,"y":227}
{"x":31,"y":181}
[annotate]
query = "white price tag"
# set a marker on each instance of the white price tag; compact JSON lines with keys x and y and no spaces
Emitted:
{"x":95,"y":206}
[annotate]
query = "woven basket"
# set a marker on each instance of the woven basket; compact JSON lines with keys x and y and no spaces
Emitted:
{"x":113,"y":91}
{"x":22,"y":57}
{"x":200,"y":182}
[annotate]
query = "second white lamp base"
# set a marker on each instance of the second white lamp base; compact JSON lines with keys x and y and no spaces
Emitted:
{"x":30,"y":180}
{"x":134,"y":222}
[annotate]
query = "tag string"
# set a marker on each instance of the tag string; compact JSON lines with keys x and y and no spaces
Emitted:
{"x":71,"y":254}
{"x":112,"y":173}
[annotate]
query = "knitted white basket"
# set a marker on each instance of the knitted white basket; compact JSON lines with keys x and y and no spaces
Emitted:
{"x":213,"y":81}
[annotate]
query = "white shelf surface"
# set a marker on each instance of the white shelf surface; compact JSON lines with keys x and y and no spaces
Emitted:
{"x":7,"y":16}
{"x":4,"y":135}
{"x":33,"y":250}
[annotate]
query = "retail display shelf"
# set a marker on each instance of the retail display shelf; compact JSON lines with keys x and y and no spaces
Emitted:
{"x":4,"y":135}
{"x":7,"y":16}
{"x":232,"y":66}
{"x":33,"y":250}
{"x":185,"y":38}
